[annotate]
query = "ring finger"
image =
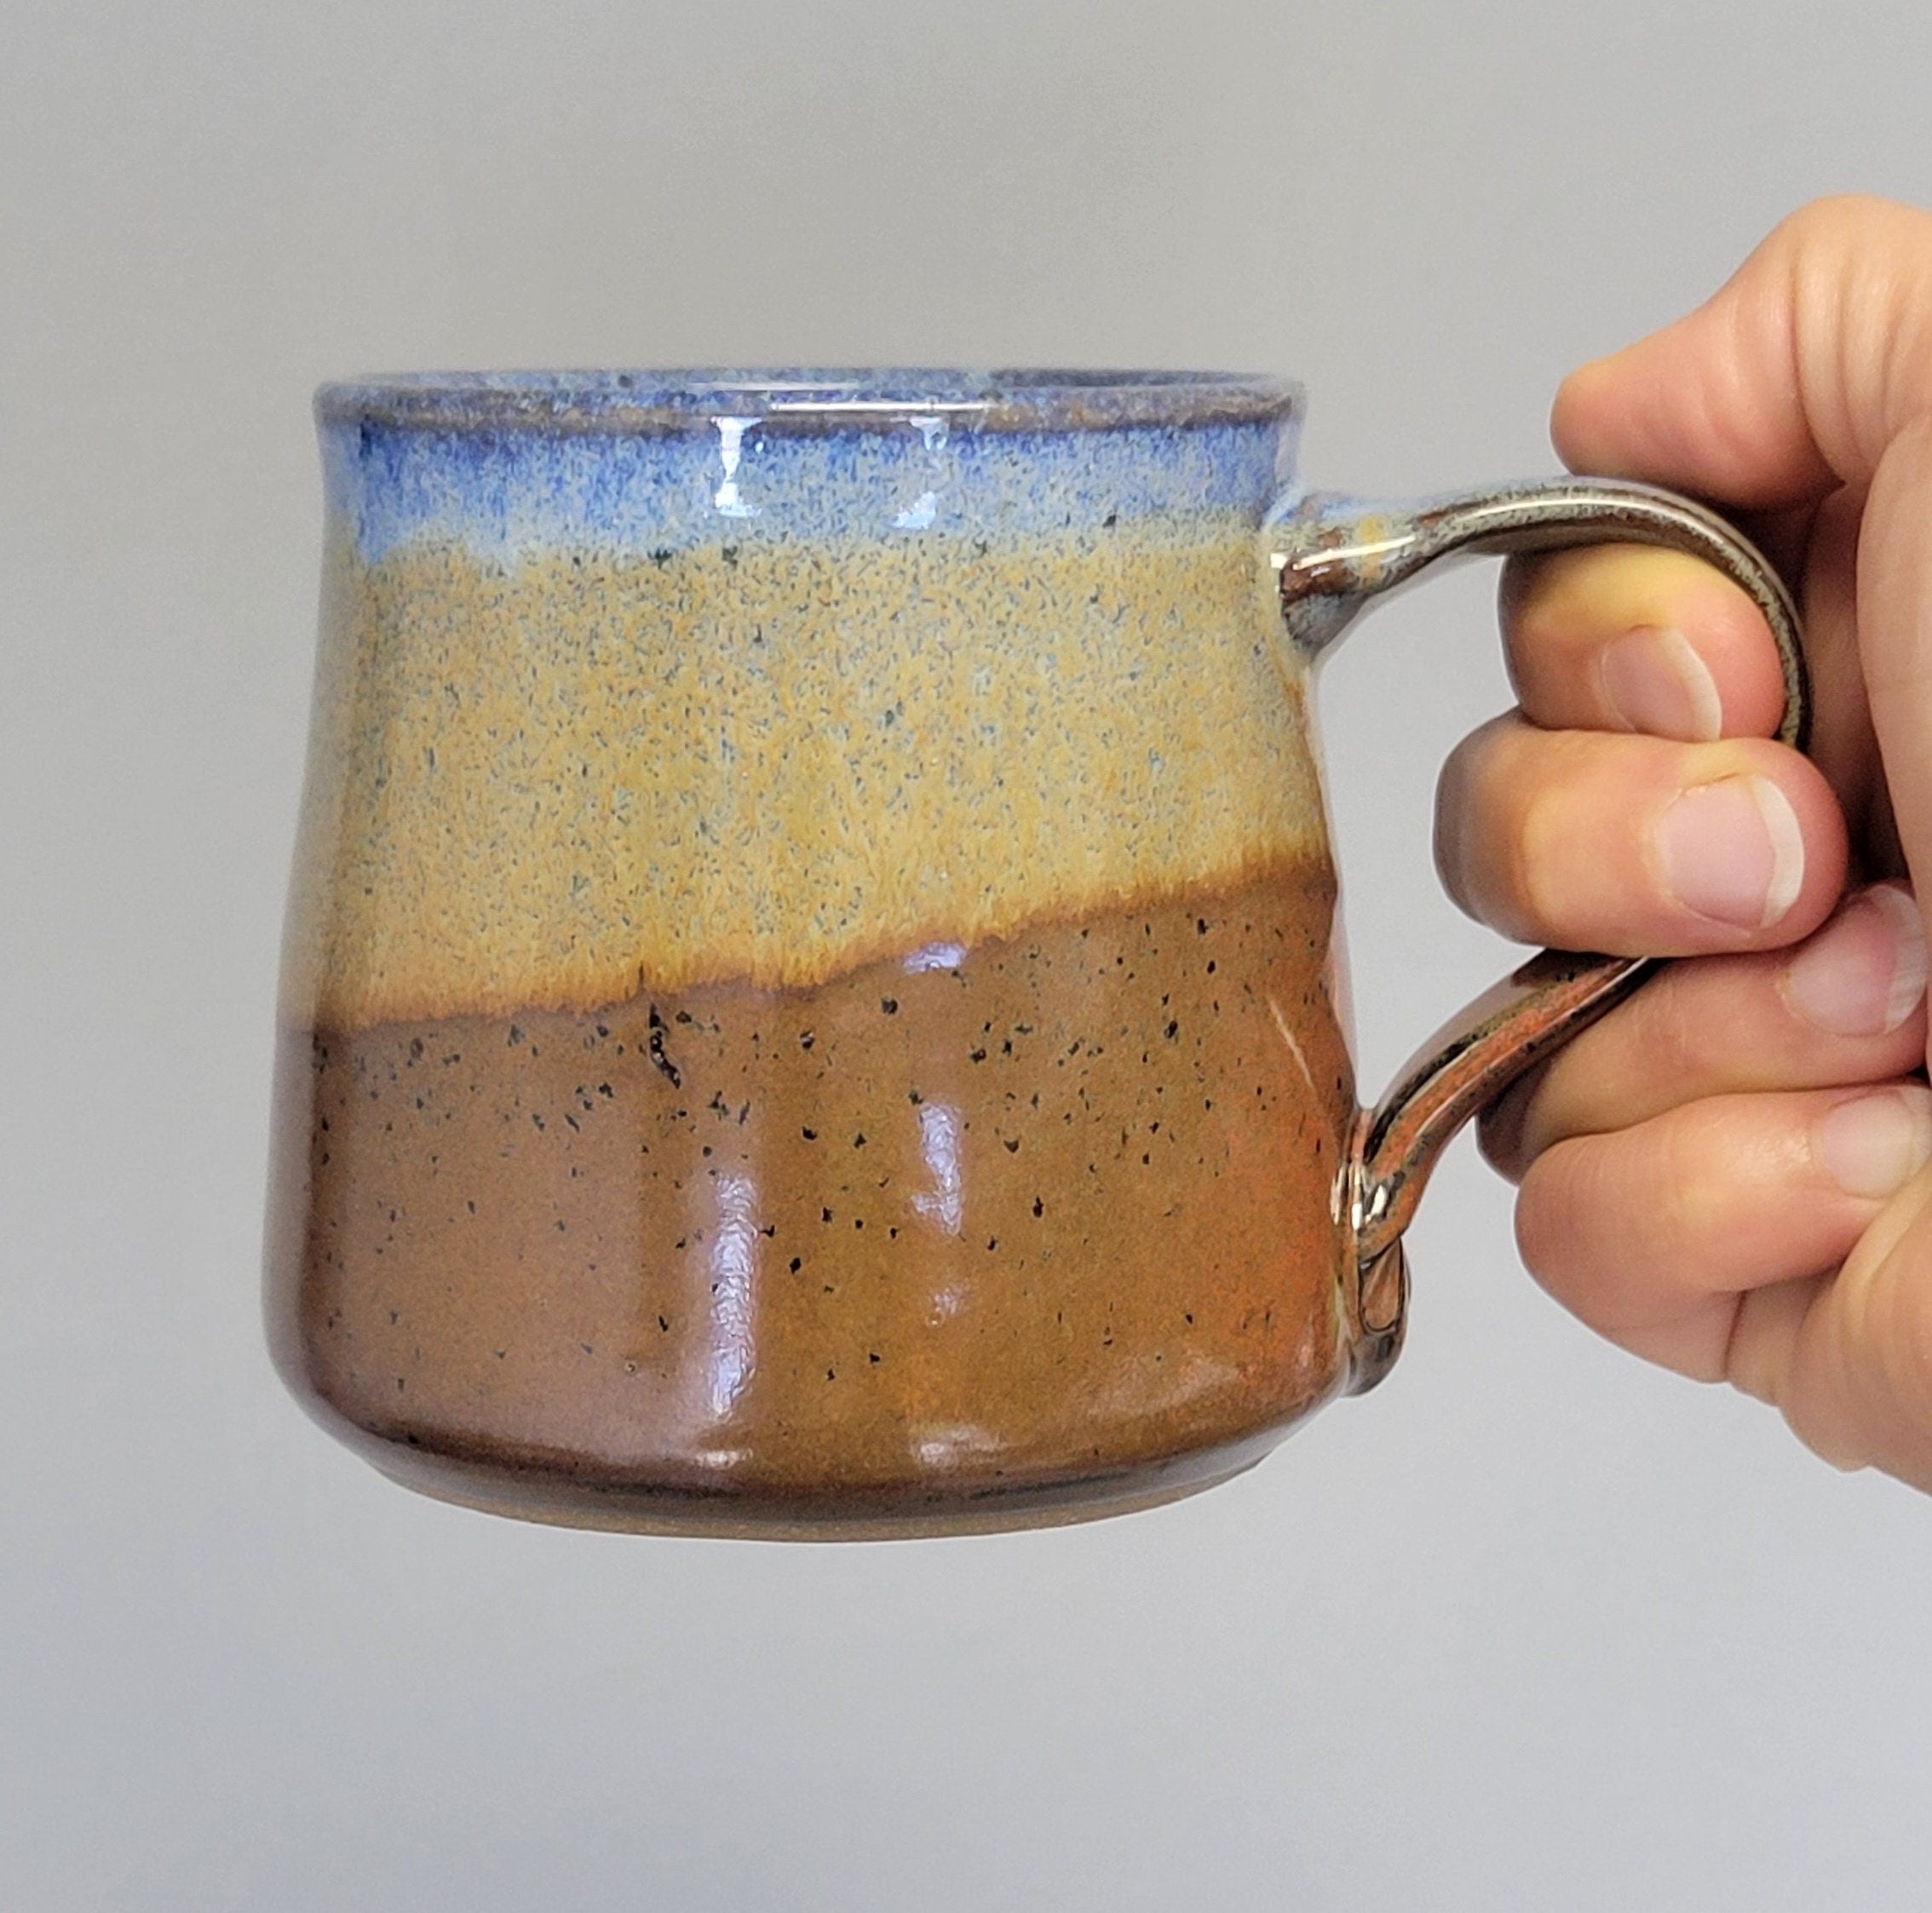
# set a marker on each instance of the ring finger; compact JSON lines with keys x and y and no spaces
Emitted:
{"x":1650,"y":1234}
{"x":1848,"y":1006}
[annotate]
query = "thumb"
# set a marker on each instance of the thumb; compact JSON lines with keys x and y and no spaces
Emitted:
{"x":1792,"y":380}
{"x":1894,"y":632}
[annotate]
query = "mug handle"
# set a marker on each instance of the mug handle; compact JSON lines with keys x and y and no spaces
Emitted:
{"x":1333,"y":554}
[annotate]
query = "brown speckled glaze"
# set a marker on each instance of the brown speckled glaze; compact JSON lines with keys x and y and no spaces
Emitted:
{"x":1055,"y":1221}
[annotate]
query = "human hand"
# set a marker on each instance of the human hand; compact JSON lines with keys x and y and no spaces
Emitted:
{"x":1728,"y":1173}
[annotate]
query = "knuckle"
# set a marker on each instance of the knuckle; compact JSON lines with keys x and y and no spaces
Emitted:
{"x":1887,"y":1323}
{"x":1680,"y":1041}
{"x":1539,"y":853}
{"x":1848,"y":271}
{"x":1758,"y":1351}
{"x":1464,"y":809}
{"x":1686,"y":1175}
{"x":1543,"y":1230}
{"x":1602,"y":1219}
{"x":1523,"y":595}
{"x":1557,"y":1210}
{"x":1504,"y":1129}
{"x":1818,"y":236}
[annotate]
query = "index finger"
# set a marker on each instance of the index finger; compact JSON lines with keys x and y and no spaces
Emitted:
{"x":1629,"y":638}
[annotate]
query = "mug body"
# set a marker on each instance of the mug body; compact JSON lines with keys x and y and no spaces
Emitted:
{"x":809,"y":1002}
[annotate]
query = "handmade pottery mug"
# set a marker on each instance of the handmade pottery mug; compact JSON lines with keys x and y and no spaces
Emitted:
{"x":809,"y":1002}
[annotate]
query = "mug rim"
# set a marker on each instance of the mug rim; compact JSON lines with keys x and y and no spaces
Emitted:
{"x":678,"y":401}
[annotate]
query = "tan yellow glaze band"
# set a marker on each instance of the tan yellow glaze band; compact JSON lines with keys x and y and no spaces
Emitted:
{"x":557,"y":779}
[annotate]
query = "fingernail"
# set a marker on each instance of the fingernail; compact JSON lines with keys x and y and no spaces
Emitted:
{"x":1864,"y":971}
{"x":1733,"y":852}
{"x":1652,"y":681}
{"x":1872,"y":1145}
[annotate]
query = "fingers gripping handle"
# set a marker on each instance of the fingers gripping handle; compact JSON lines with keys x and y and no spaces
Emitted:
{"x":1333,"y":555}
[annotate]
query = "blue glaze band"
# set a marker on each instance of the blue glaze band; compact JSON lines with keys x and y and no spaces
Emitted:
{"x":504,"y":463}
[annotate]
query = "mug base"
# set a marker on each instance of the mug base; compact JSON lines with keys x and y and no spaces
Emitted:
{"x":900,"y":1514}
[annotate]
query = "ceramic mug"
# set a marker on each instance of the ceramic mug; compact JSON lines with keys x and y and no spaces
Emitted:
{"x":809,"y":999}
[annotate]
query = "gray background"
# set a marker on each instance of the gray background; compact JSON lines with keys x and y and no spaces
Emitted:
{"x":1532,"y":1627}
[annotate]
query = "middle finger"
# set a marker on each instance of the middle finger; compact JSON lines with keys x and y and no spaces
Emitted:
{"x":1635,"y":845}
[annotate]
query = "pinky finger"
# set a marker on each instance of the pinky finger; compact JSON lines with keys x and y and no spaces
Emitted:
{"x":1650,"y":1234}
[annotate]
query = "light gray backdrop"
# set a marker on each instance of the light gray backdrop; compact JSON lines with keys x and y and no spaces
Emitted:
{"x":1532,"y":1627}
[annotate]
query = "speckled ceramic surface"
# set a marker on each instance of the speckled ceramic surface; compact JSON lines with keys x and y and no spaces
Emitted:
{"x":808,"y":1003}
{"x":676,"y":697}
